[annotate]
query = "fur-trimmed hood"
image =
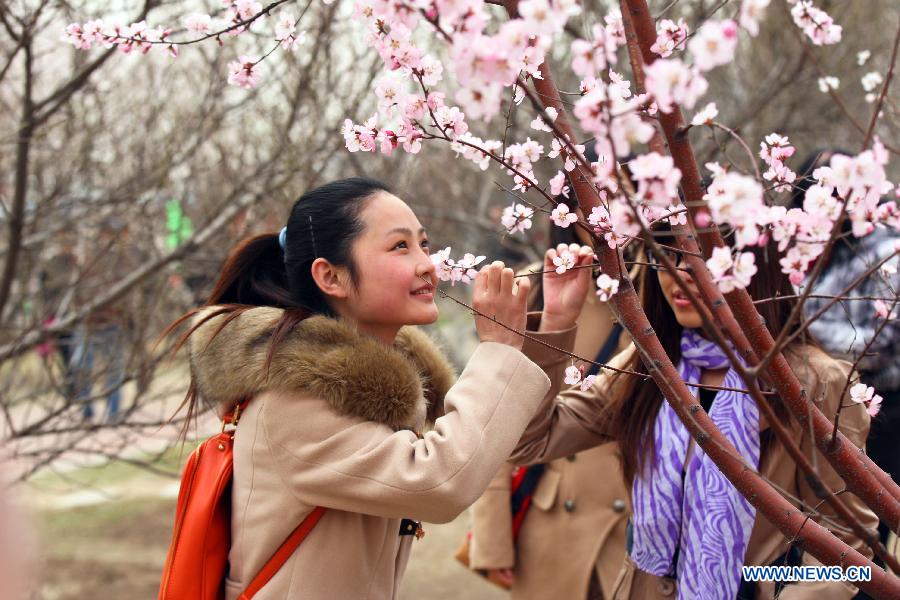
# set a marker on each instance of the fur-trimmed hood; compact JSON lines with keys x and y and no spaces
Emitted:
{"x":356,"y":374}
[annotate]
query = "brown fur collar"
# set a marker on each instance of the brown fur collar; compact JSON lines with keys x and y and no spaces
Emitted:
{"x":356,"y":374}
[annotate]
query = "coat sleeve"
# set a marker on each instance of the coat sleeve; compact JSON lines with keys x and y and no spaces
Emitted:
{"x":492,"y":540}
{"x":828,"y":379}
{"x":350,"y":464}
{"x":570,"y":421}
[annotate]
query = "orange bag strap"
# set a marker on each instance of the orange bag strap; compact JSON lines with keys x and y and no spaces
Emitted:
{"x":283,"y":553}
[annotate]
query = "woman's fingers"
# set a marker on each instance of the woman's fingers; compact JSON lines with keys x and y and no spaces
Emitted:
{"x":523,"y":286}
{"x":506,"y":282}
{"x":548,"y":258}
{"x":494,"y":277}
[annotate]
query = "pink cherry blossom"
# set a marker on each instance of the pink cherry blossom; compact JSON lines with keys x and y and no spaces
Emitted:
{"x":558,"y":148}
{"x":719,"y":263}
{"x":562,"y":217}
{"x":573,"y":375}
{"x":706,"y":115}
{"x":539,"y":123}
{"x":198,"y":23}
{"x":883,"y":310}
{"x":714,"y":44}
{"x":588,"y":382}
{"x":558,"y":186}
{"x":730,"y":274}
{"x":245,"y":72}
{"x":669,"y":35}
{"x":672,"y":82}
{"x":874,"y":406}
{"x":816,"y":23}
{"x":451,"y":120}
{"x":517,"y":218}
{"x":432,"y":70}
{"x":657,"y":179}
{"x":286,"y":31}
{"x":736,"y":199}
{"x":591,"y":57}
{"x":564,"y":261}
{"x":390,"y":91}
{"x":606,"y":287}
{"x":447,"y":269}
{"x":752,"y":12}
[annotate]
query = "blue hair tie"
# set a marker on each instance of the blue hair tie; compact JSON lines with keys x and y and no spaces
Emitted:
{"x":282,"y":237}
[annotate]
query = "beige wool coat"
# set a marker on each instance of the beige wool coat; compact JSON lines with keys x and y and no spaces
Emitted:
{"x":338,"y":421}
{"x":576,"y":523}
{"x":574,"y":421}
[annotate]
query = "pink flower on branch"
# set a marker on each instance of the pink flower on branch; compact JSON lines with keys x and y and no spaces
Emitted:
{"x":558,"y":185}
{"x":573,"y":375}
{"x":671,"y":82}
{"x":564,"y":261}
{"x":657,"y":178}
{"x":559,"y":148}
{"x":706,"y":115}
{"x":669,"y":35}
{"x":245,"y":72}
{"x":730,"y":274}
{"x":816,"y":23}
{"x":561,"y":216}
{"x":453,"y":271}
{"x":714,"y":44}
{"x":517,"y":218}
{"x":606,"y":287}
{"x":865,"y":395}
{"x":752,"y":12}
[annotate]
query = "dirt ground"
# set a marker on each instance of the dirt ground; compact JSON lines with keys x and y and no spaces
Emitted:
{"x":116,"y":550}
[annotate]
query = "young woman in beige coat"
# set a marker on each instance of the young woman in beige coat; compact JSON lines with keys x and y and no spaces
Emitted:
{"x":674,"y":489}
{"x":572,"y":541}
{"x":311,"y":324}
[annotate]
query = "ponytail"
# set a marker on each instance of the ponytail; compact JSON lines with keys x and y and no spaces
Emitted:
{"x":253,"y":275}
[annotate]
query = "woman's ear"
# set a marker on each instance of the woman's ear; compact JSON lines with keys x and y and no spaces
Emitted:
{"x":334,"y":281}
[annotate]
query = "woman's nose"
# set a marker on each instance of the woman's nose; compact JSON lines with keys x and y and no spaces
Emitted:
{"x":425,"y":268}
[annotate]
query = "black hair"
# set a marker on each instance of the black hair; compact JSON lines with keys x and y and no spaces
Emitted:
{"x":323,"y":223}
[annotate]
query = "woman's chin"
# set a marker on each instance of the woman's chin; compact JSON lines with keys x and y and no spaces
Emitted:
{"x":423,"y":316}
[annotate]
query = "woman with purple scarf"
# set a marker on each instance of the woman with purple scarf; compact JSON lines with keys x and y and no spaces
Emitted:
{"x":692,"y":531}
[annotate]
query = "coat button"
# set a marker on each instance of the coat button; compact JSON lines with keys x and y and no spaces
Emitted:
{"x":569,"y":505}
{"x":570,"y":458}
{"x":667,"y":587}
{"x":618,"y":505}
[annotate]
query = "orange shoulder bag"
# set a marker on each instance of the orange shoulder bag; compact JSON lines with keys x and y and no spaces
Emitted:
{"x":197,"y":562}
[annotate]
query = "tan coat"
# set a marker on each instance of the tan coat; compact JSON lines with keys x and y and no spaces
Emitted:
{"x":333,"y":423}
{"x":577,"y":420}
{"x":576,"y":524}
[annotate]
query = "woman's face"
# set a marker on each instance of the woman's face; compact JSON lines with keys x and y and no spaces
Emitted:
{"x":685,"y":313}
{"x":395,"y":277}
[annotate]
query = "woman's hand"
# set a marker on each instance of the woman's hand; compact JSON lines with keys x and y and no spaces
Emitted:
{"x":564,"y":294}
{"x":497,"y":295}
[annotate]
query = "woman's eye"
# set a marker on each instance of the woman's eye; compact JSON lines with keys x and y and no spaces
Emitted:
{"x":426,"y":244}
{"x":399,"y":245}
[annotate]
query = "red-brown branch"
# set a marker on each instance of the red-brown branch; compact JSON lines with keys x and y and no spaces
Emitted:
{"x":748,"y":331}
{"x":626,"y":305}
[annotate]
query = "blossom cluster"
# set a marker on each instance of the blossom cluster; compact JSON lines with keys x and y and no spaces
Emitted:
{"x":140,"y":38}
{"x":866,"y":396}
{"x":462,"y":270}
{"x":420,"y":97}
{"x":574,"y":376}
{"x":774,"y":151}
{"x":815,"y":23}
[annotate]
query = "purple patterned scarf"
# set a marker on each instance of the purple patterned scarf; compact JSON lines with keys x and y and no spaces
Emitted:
{"x":703,"y":515}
